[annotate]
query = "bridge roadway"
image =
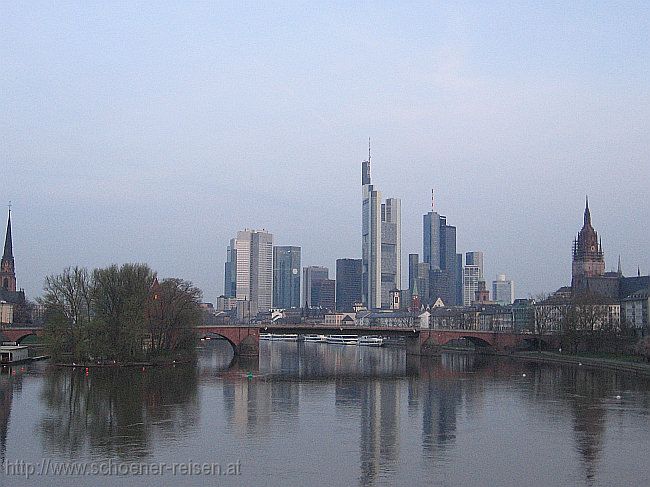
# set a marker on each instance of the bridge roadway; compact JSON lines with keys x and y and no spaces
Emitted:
{"x":419,"y":341}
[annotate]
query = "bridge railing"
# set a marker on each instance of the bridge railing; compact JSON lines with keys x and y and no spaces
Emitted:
{"x":20,"y":326}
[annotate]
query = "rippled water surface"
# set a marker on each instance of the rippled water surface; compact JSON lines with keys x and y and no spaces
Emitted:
{"x":309,"y":413}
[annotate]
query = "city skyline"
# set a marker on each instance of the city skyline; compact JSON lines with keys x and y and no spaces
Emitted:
{"x":470,"y":255}
{"x":131,"y":137}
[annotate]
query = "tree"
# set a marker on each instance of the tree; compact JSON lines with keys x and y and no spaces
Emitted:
{"x":173,"y":311}
{"x":119,"y":300}
{"x":119,"y":314}
{"x":68,"y":312}
{"x":543,"y":318}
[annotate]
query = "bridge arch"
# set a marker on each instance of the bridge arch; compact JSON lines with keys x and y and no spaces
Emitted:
{"x":20,"y":339}
{"x":211,"y":335}
{"x":244,"y":341}
{"x":17,"y":335}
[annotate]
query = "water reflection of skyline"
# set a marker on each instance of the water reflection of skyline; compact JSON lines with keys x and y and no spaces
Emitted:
{"x":439,"y":390}
{"x":392,"y":403}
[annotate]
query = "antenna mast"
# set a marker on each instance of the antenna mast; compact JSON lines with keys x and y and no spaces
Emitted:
{"x":368,"y":152}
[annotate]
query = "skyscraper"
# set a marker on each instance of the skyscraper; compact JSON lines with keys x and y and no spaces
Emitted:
{"x":286,"y":277}
{"x":262,"y":271}
{"x":348,"y":283}
{"x":380,"y":232}
{"x":419,"y":278}
{"x":310,"y":276}
{"x":503,"y":291}
{"x":230,"y":271}
{"x":439,"y":251}
{"x":323,"y":294}
{"x":475,"y":258}
{"x":249,"y":268}
{"x":471,"y":278}
{"x":391,"y":249}
{"x":370,"y":239}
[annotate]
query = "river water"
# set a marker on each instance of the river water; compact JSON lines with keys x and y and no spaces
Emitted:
{"x":317,"y":414}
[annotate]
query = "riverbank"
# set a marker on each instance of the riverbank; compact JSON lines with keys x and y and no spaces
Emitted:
{"x":585,"y":361}
{"x":115,"y":365}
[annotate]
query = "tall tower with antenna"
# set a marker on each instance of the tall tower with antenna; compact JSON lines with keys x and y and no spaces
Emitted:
{"x":370,"y":239}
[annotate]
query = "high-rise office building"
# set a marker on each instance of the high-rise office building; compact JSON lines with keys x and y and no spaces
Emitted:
{"x":419,"y":278}
{"x":471,"y":278}
{"x":348,"y":284}
{"x":286,"y":277}
{"x":249,"y":269}
{"x":323,"y":294}
{"x":380,"y":231}
{"x":370,"y":239}
{"x":238,"y":267}
{"x":230,"y":271}
{"x":391,"y":249}
{"x":310,"y":276}
{"x":475,"y":258}
{"x":459,"y":279}
{"x":439,"y":251}
{"x":503,"y":290}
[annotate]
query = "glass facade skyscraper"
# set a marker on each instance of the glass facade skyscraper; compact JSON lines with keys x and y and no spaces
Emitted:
{"x":380,"y":234}
{"x":249,"y":269}
{"x":348,"y":283}
{"x":439,"y":251}
{"x":391,"y":248}
{"x":286,"y":277}
{"x":310,"y":276}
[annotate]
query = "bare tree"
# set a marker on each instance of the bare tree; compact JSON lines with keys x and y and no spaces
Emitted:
{"x":119,"y":313}
{"x":68,"y":312}
{"x":543,"y":318}
{"x":172,"y":312}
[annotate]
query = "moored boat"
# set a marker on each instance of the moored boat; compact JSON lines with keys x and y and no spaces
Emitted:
{"x":371,"y":341}
{"x":288,"y":337}
{"x":342,"y":339}
{"x":280,"y":337}
{"x":315,"y":338}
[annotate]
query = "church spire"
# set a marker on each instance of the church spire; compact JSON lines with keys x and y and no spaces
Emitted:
{"x":7,"y":271}
{"x":587,"y":212}
{"x":9,"y":251}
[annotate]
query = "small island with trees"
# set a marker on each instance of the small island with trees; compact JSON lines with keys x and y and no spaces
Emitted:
{"x":119,"y":315}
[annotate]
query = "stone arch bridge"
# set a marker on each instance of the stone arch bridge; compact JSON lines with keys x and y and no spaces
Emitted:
{"x":245,"y":339}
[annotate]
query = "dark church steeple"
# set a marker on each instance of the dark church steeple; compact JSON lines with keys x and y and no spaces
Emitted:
{"x":588,"y":256}
{"x":7,"y":270}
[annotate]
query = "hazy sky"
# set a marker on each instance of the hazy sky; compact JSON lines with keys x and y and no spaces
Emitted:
{"x":152,"y":132}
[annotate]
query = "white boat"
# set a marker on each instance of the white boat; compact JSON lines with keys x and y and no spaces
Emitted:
{"x":288,"y":337}
{"x":280,"y":337}
{"x":371,"y":341}
{"x":315,"y":338}
{"x":342,"y":339}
